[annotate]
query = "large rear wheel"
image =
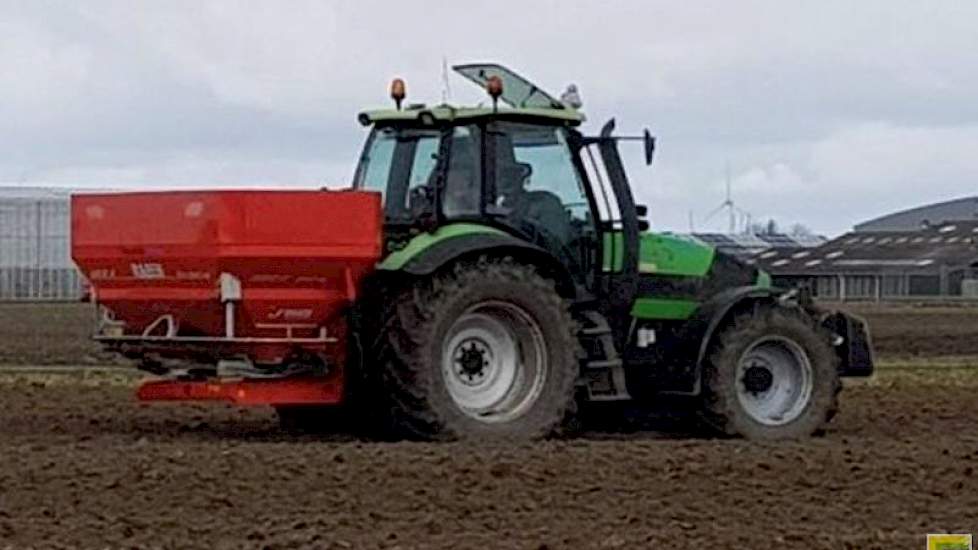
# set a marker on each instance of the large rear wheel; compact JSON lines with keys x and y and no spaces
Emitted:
{"x":773,"y":375}
{"x":487,"y":351}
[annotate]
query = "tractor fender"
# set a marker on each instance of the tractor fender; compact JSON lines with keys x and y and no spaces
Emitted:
{"x":717,"y":309}
{"x":470,"y":246}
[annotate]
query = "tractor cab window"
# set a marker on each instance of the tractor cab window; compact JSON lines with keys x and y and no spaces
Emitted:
{"x":463,"y":186}
{"x":538,"y":188}
{"x":400,"y":164}
{"x":375,"y":162}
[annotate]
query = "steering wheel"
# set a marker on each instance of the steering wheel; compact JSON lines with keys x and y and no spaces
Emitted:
{"x":421,"y":199}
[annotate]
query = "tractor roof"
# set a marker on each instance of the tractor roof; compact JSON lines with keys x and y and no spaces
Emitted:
{"x":448,"y":113}
{"x":522,"y":99}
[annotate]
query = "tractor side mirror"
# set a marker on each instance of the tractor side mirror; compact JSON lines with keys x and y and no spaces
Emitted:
{"x":649,"y":146}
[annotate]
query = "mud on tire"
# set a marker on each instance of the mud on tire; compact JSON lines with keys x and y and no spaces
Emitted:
{"x":748,"y":385}
{"x":450,"y":345}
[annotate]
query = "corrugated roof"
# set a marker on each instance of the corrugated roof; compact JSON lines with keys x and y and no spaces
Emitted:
{"x":963,"y":209}
{"x":952,"y":244}
{"x":18,"y":192}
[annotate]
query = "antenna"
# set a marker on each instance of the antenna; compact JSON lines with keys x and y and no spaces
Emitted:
{"x":446,"y":88}
{"x":729,"y":202}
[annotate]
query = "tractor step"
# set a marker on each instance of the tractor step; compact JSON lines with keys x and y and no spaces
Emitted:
{"x":603,"y":364}
{"x":596,"y":331}
{"x":604,"y":371}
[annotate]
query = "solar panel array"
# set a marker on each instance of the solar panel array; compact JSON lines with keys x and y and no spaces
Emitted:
{"x":748,"y":245}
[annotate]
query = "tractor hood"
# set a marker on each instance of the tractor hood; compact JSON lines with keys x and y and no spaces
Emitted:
{"x":673,"y":255}
{"x":665,"y":254}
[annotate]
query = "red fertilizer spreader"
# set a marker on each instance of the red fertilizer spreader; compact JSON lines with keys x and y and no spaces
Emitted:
{"x":229,"y":295}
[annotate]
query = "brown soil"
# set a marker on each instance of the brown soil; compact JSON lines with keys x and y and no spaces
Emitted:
{"x":908,"y":331}
{"x":82,"y":466}
{"x":49,"y":334}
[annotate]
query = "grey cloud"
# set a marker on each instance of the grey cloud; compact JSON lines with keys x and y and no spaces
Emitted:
{"x":800,"y":98}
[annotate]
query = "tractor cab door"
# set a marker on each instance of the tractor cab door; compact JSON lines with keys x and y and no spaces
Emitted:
{"x":535,"y":188}
{"x":607,"y":214}
{"x":423,"y":173}
{"x":619,"y":223}
{"x":401,"y":164}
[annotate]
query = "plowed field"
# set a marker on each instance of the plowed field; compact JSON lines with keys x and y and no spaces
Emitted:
{"x":81,"y":465}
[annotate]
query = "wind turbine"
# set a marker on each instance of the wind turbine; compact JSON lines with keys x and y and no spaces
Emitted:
{"x":727,"y":204}
{"x":730,"y":207}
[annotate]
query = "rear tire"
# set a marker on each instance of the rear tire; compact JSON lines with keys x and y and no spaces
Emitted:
{"x":773,"y":375}
{"x":487,"y":351}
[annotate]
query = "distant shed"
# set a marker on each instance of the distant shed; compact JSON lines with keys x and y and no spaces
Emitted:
{"x":930,"y":262}
{"x":35,"y":255}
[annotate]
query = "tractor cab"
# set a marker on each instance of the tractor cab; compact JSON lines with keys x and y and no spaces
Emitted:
{"x":522,"y":168}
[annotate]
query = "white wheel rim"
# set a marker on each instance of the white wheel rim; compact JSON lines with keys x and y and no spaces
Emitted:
{"x":494,"y":361}
{"x":774,"y":380}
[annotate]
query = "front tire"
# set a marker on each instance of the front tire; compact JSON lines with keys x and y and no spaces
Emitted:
{"x":773,"y":375}
{"x":487,"y":351}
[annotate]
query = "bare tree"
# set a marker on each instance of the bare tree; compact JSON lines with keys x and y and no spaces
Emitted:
{"x":800,"y":230}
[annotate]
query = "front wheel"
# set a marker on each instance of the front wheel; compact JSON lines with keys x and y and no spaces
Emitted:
{"x":773,"y":375}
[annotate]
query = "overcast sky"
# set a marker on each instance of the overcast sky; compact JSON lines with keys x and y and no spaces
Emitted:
{"x":828,"y":113}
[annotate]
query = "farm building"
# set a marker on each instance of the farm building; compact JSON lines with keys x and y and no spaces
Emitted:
{"x":931,"y":261}
{"x":35,"y":257}
{"x":964,"y":209}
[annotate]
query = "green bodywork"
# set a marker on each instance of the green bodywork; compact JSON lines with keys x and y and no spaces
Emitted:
{"x":669,"y":256}
{"x":450,"y":113}
{"x":663,"y":255}
{"x":664,"y":309}
{"x":421,"y":242}
{"x":659,"y":255}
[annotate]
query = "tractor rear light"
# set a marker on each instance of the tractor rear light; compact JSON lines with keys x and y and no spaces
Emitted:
{"x":398,"y":92}
{"x":494,"y":86}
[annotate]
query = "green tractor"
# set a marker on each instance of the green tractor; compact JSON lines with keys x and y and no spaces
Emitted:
{"x":521,"y":283}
